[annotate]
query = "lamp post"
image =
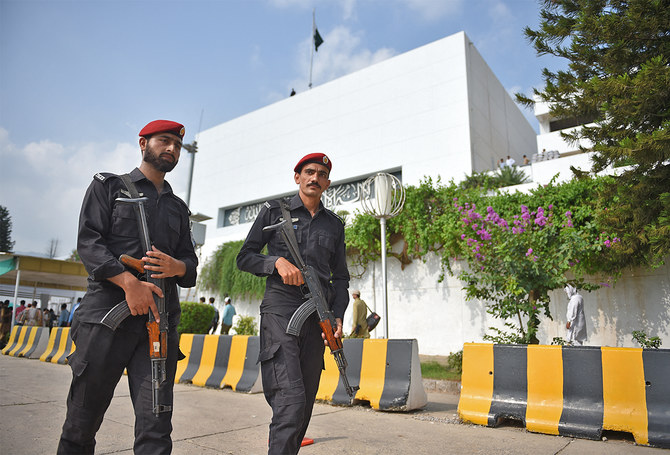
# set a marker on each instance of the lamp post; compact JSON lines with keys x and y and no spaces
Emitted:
{"x":192,"y":149}
{"x":389,"y":198}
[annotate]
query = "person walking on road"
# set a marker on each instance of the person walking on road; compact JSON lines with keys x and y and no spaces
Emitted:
{"x":228,"y":313}
{"x":360,"y":323}
{"x":576,"y":324}
{"x":107,"y":229}
{"x":291,"y":365}
{"x":215,"y":318}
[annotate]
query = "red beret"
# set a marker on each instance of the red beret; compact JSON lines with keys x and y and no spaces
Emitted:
{"x":163,"y":126}
{"x":318,"y":158}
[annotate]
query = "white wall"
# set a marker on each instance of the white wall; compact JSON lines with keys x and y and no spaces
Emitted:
{"x":441,"y":319}
{"x":497,"y":126}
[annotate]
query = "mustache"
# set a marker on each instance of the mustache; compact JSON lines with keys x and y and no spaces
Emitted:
{"x":315,"y":184}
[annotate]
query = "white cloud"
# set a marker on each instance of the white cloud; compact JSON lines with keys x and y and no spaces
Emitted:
{"x":341,"y":53}
{"x":44,"y":182}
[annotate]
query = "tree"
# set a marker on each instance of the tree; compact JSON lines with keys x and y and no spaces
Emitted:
{"x":74,"y":256}
{"x":6,"y":243}
{"x":513,"y":263}
{"x":617,"y":83}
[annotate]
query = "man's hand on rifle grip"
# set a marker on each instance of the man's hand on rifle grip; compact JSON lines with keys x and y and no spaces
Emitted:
{"x":166,"y":266}
{"x":338,"y":331}
{"x":139,"y":294}
{"x":289,"y":273}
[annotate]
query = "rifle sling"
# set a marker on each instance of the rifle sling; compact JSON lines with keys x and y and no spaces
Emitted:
{"x":130,"y":185}
{"x":286,"y":214}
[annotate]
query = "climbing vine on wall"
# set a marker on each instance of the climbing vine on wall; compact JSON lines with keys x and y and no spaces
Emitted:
{"x":516,"y":247}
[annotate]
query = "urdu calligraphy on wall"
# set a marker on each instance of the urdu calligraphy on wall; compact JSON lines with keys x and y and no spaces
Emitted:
{"x":333,"y":197}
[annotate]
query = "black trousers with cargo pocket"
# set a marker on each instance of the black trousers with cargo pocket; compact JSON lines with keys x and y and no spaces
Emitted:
{"x":291,"y":368}
{"x":97,"y":364}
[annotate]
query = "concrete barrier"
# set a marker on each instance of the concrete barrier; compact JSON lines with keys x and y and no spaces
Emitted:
{"x":26,"y":341}
{"x":220,"y":360}
{"x":576,"y":391}
{"x":388,"y":373}
{"x":60,"y":346}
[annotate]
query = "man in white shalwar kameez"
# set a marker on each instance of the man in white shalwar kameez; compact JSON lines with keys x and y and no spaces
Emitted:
{"x":576,"y":324}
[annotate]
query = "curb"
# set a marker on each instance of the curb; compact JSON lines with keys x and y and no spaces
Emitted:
{"x":442,"y":386}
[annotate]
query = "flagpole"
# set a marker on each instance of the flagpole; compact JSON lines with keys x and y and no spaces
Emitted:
{"x":311,"y":58}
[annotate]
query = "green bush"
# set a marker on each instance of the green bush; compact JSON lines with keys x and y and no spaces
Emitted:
{"x":558,"y":341}
{"x":645,"y":341}
{"x":246,"y":325}
{"x":196,"y":317}
{"x":455,"y":361}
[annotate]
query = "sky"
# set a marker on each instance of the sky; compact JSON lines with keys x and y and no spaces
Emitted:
{"x":80,"y":78}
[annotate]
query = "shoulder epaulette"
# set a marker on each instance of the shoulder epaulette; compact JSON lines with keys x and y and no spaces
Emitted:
{"x":272,"y":204}
{"x":336,"y":216}
{"x":180,"y":200}
{"x":103,"y":176}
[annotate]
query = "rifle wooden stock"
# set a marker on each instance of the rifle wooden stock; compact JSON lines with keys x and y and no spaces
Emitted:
{"x":132,"y":263}
{"x":333,"y":343}
{"x":157,"y":341}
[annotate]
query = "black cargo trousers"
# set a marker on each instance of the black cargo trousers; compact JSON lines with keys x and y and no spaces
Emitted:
{"x":97,"y":364}
{"x":291,"y":369}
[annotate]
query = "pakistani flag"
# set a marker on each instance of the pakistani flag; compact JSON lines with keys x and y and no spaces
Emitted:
{"x":318,"y":41}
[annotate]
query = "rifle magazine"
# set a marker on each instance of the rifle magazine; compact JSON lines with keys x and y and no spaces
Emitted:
{"x":300,"y":316}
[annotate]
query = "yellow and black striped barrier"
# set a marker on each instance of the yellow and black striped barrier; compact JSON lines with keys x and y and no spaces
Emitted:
{"x":388,"y":373}
{"x":60,"y":346}
{"x":27,"y":341}
{"x":575,"y":391}
{"x":219,"y":361}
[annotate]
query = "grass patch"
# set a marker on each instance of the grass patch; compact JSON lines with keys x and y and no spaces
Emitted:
{"x":435,"y":370}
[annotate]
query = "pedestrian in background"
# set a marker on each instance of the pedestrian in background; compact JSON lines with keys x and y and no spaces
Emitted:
{"x":215,"y":319}
{"x":360,"y":322}
{"x":576,"y":324}
{"x":64,"y":316}
{"x":228,"y":313}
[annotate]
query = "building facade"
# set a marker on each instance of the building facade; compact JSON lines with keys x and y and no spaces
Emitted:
{"x":437,"y":111}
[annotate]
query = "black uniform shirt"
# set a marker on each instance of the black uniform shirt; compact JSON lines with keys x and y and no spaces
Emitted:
{"x":108,"y":229}
{"x":321,"y":244}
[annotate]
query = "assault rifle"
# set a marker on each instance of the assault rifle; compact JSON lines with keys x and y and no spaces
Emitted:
{"x":157,"y":330}
{"x":316,"y":302}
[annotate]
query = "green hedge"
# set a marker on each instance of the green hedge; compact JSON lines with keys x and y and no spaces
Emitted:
{"x":196,"y":318}
{"x":246,"y":325}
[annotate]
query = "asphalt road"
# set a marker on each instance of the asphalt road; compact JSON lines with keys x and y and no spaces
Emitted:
{"x":209,"y":421}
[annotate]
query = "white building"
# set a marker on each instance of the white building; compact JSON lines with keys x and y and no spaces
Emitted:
{"x":436,"y":111}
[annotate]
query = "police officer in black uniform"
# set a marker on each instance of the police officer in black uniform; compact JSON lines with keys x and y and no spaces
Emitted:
{"x":108,"y":229}
{"x":291,"y":366}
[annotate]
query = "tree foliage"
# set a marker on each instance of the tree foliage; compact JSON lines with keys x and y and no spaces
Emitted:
{"x":6,"y":243}
{"x":74,"y":256}
{"x":221,"y":275}
{"x":246,"y":325}
{"x":617,"y":78}
{"x":196,"y":317}
{"x":517,"y":247}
